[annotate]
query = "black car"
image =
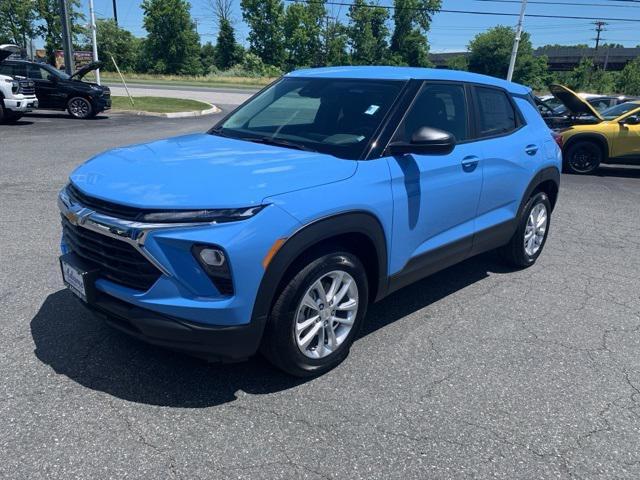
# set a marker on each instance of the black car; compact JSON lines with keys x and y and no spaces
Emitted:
{"x":58,"y":91}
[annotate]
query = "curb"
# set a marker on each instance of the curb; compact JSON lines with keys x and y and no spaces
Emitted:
{"x":193,"y":113}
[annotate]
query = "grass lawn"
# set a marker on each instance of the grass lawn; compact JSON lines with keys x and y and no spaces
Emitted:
{"x":158,"y":104}
{"x":187,"y":80}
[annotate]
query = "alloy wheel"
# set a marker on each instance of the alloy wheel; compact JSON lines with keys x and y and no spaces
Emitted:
{"x":79,"y":107}
{"x":536,"y":229}
{"x":326,"y":314}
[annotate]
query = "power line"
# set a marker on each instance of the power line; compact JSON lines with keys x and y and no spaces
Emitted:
{"x":574,"y":4}
{"x":475,"y":12}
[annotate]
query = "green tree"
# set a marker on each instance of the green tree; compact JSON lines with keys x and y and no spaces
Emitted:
{"x":335,"y":41}
{"x":368,"y":33}
{"x":226,"y":47}
{"x":412,"y":20}
{"x":489,"y":54}
{"x":226,"y":51}
{"x":207,"y":56}
{"x":629,"y":79}
{"x":172,"y":44}
{"x":18,"y":21}
{"x":303,"y":28}
{"x":266,"y":33}
{"x":459,"y":62}
{"x":119,"y":43}
{"x":50,"y":26}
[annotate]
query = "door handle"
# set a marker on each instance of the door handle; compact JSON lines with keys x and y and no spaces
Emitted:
{"x":531,"y":150}
{"x":470,"y":163}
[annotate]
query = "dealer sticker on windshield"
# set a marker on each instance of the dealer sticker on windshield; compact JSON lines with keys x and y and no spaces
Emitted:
{"x":372,"y":110}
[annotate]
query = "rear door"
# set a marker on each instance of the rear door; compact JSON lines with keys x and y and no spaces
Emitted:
{"x":435,"y":196}
{"x":512,"y":151}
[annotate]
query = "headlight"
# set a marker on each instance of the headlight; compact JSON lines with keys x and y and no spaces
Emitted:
{"x":222,"y":215}
{"x":96,"y":88}
{"x":15,"y":86}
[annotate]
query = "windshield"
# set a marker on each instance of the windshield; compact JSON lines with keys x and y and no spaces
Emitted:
{"x":58,"y":73}
{"x":614,"y":112}
{"x":334,"y":116}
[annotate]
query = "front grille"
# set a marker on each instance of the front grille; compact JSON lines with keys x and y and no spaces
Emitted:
{"x":27,"y":87}
{"x":116,"y":260}
{"x":102,"y":206}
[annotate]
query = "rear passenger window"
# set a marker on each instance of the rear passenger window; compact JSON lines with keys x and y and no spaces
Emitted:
{"x":497,"y":115}
{"x":441,"y":106}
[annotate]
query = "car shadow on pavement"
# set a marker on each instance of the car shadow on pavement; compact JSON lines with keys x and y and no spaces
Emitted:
{"x":65,"y":115}
{"x":618,"y":171}
{"x":78,"y":345}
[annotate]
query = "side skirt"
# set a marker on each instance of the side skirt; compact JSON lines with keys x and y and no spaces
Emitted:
{"x":431,"y":262}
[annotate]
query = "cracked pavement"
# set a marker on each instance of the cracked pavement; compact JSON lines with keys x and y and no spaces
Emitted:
{"x":476,"y":372}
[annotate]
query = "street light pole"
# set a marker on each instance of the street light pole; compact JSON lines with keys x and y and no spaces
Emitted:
{"x":516,"y":42}
{"x":92,"y":19}
{"x":66,"y":38}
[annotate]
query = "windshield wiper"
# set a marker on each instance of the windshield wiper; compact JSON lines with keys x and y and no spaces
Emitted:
{"x":278,"y":142}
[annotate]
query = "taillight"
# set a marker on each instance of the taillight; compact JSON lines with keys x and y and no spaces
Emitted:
{"x":558,"y":138}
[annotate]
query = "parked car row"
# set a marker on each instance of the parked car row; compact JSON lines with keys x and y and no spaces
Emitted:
{"x":25,"y":86}
{"x":593,"y":130}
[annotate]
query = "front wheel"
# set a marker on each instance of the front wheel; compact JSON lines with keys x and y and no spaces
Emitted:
{"x":315,"y":319}
{"x":531,"y":235}
{"x":582,"y":157}
{"x":81,"y":108}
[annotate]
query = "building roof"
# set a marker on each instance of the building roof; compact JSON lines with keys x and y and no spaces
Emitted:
{"x":408,"y":73}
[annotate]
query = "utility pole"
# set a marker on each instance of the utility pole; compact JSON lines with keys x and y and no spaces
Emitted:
{"x":94,"y":41}
{"x":516,"y":42}
{"x":599,"y":29}
{"x":115,"y":12}
{"x":66,"y":38}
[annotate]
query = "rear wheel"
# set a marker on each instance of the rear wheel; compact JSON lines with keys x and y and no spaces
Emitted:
{"x":531,"y":235}
{"x":79,"y":107}
{"x":315,"y":319}
{"x":583,"y":157}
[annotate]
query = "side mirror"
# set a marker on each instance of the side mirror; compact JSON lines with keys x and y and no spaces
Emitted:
{"x":425,"y":141}
{"x":632,"y":120}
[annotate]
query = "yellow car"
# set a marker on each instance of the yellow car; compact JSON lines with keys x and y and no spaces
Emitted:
{"x":609,"y":136}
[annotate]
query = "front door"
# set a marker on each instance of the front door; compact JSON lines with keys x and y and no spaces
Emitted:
{"x":47,"y":89}
{"x":626,"y":143}
{"x":435,"y":196}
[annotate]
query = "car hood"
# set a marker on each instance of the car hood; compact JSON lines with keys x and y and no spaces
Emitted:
{"x":204,"y":171}
{"x":81,"y":72}
{"x":7,"y":50}
{"x":573,"y":102}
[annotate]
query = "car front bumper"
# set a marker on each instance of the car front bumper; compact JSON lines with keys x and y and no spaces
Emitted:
{"x":21,"y":105}
{"x":215,"y":343}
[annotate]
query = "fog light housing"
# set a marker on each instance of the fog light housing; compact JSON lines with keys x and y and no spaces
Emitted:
{"x":213,"y":261}
{"x":213,"y":257}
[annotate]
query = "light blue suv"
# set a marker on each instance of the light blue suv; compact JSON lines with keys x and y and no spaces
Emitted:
{"x":327,"y":190}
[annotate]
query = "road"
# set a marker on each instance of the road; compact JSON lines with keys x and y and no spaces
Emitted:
{"x":216,"y":96}
{"x":476,"y":372}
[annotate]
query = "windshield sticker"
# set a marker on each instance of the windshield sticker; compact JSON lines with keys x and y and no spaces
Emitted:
{"x":372,"y":110}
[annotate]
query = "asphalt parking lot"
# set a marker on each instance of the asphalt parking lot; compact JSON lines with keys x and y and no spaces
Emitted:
{"x":476,"y":372}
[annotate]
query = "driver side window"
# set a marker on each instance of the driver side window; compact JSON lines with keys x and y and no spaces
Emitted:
{"x":441,"y":106}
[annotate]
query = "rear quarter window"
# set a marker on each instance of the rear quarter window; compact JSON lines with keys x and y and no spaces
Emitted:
{"x":496,"y":115}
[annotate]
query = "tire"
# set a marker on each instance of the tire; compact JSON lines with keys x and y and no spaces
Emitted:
{"x":523,"y":250}
{"x":583,"y":157}
{"x":81,"y":108}
{"x":3,"y":111}
{"x":284,"y":341}
{"x":11,"y":117}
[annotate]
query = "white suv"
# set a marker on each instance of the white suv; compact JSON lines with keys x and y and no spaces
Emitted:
{"x":17,"y":94}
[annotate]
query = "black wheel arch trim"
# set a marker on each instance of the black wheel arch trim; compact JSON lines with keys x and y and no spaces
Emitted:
{"x":544,"y":175}
{"x":311,"y":234}
{"x":592,"y":136}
